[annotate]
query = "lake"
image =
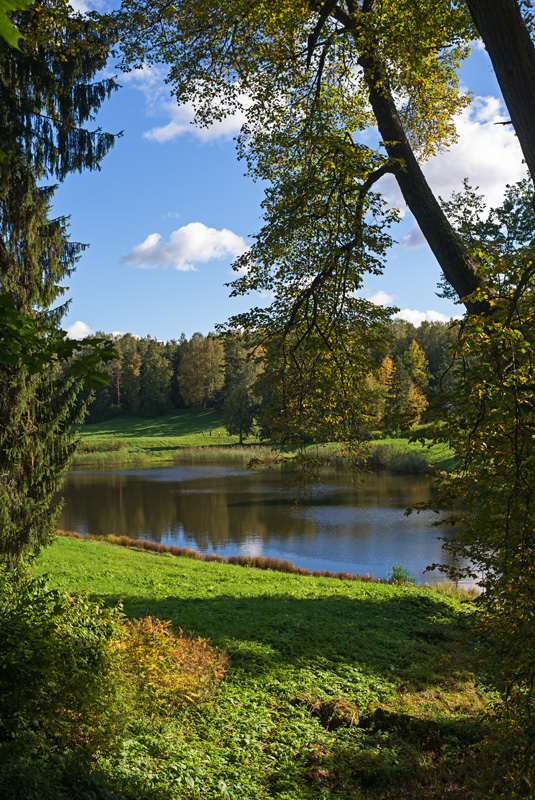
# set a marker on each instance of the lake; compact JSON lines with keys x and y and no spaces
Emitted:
{"x":229,"y":510}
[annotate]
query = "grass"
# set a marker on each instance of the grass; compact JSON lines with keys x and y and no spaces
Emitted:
{"x":179,"y":438}
{"x":335,"y":689}
{"x":162,"y":439}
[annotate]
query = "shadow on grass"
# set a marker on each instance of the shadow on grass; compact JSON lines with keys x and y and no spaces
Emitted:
{"x":26,"y":773}
{"x":410,"y":637}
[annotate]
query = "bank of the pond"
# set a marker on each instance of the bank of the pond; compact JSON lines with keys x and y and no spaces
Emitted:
{"x":336,"y":688}
{"x":184,"y":437}
{"x":262,"y":562}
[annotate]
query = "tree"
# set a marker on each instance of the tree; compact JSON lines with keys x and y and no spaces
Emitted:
{"x":241,"y":403}
{"x":155,"y":379}
{"x":46,"y":95}
{"x":131,"y":375}
{"x":316,"y":75}
{"x":200,"y":373}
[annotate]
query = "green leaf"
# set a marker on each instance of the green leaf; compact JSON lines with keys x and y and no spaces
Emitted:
{"x":7,"y":29}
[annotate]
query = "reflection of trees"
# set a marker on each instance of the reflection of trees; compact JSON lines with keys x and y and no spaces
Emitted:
{"x":209,"y":513}
{"x":338,"y":521}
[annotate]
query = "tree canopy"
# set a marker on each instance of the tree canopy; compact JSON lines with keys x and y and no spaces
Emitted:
{"x":47,"y":94}
{"x":312,"y":78}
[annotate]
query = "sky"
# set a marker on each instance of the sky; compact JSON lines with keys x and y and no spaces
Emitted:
{"x":170,"y":209}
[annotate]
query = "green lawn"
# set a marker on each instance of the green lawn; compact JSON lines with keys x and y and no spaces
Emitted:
{"x":197,"y":436}
{"x":131,"y":440}
{"x":185,"y":426}
{"x":336,"y":689}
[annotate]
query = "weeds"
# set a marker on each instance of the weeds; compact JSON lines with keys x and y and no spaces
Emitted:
{"x":401,"y":575}
{"x":169,"y":668}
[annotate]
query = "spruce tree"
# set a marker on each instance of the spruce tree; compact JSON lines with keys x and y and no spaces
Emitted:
{"x":47,"y":95}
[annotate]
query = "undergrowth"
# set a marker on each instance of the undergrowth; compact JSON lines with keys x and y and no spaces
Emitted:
{"x":72,"y":672}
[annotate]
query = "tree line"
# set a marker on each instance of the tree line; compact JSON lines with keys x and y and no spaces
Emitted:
{"x":150,"y":377}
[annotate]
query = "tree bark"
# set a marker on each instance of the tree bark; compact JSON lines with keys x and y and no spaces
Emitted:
{"x":448,"y":248}
{"x":511,"y":51}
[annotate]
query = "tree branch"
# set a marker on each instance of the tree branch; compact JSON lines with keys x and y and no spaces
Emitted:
{"x":324,"y":14}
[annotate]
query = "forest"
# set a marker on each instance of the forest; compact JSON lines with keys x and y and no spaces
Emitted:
{"x":150,"y":378}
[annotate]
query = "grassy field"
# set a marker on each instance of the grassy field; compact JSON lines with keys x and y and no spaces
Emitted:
{"x":335,"y":689}
{"x":185,"y":436}
{"x":172,"y":437}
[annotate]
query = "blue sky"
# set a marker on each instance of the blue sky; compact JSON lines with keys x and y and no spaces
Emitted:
{"x":171,"y":208}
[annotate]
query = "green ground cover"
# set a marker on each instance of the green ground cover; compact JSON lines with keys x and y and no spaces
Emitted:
{"x":186,"y":436}
{"x":179,"y":436}
{"x":335,"y":689}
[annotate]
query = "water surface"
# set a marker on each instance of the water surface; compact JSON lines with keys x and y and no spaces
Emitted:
{"x":229,"y":510}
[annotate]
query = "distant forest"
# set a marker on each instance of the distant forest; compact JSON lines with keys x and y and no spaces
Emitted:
{"x":151,"y":378}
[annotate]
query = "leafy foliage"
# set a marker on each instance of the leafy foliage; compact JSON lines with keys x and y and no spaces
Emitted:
{"x":491,"y":428}
{"x":56,"y":683}
{"x":47,"y":94}
{"x":8,"y":32}
{"x":168,"y":669}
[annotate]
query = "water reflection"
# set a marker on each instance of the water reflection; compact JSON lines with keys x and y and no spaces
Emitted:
{"x":228,"y":510}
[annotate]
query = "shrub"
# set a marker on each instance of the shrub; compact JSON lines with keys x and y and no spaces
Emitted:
{"x":56,"y":681}
{"x":73,"y":677}
{"x":387,"y":456}
{"x":163,"y":667}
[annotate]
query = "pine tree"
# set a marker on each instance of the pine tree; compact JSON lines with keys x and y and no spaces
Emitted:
{"x":47,"y":94}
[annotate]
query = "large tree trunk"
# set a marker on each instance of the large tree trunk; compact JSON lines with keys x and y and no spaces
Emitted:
{"x":511,"y":51}
{"x":446,"y":244}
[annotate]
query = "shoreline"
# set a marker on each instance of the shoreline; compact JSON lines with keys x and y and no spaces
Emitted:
{"x":397,"y":456}
{"x":258,"y":562}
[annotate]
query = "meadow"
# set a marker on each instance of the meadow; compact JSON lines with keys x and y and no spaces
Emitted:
{"x":333,"y":688}
{"x":193,"y":437}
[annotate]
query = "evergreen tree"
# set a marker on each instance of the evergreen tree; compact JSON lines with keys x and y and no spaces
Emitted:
{"x":131,"y":376}
{"x":155,"y":380}
{"x":47,"y":94}
{"x":241,"y":402}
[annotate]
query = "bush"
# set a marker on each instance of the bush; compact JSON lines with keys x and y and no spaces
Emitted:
{"x":75,"y":679}
{"x":387,"y":456}
{"x":56,"y":680}
{"x":163,"y":667}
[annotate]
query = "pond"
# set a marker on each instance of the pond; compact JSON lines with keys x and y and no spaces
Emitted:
{"x":338,"y":526}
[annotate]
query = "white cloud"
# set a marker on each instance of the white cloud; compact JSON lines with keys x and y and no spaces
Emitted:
{"x":79,"y":330}
{"x":151,"y":82}
{"x":477,"y":44}
{"x":486,"y":153}
{"x":189,"y":245}
{"x":381,"y":298}
{"x":417,"y":317}
{"x":181,"y":122}
{"x":414,"y":239}
{"x":82,"y":6}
